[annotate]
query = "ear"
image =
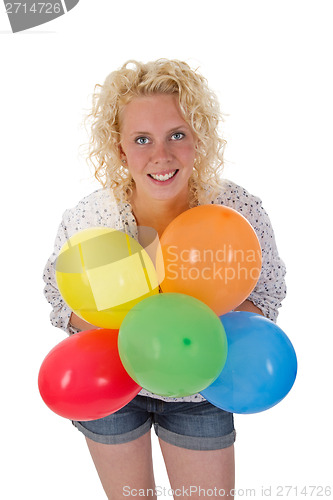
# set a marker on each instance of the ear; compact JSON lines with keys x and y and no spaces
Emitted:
{"x":122,"y":155}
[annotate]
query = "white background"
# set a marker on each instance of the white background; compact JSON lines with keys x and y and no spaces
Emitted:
{"x":270,"y":64}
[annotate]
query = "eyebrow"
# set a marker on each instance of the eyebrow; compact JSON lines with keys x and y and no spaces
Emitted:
{"x":173,"y":129}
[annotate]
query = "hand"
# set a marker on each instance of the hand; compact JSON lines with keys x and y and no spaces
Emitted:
{"x":247,"y":305}
{"x":80,"y":324}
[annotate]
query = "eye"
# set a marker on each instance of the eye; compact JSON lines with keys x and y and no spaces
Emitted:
{"x":142,"y":140}
{"x":177,"y":136}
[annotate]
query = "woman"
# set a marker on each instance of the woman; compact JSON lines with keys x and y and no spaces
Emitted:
{"x":156,"y":149}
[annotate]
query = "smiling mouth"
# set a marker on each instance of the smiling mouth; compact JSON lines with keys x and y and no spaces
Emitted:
{"x":165,"y":177}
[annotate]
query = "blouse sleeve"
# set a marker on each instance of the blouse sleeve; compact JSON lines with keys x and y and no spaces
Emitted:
{"x":61,"y":313}
{"x":270,"y":289}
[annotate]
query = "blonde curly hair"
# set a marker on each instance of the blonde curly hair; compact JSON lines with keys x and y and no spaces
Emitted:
{"x":199,"y":107}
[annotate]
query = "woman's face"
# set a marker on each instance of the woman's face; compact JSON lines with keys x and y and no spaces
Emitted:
{"x":158,"y":146}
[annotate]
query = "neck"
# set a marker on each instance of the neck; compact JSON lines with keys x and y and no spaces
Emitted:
{"x":157,"y":213}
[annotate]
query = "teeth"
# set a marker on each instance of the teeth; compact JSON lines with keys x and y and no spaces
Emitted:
{"x":163,"y":177}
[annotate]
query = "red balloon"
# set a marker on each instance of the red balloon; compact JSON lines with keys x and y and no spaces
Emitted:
{"x":83,"y":378}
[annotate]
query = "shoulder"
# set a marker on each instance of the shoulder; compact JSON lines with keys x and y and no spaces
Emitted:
{"x":237,"y":197}
{"x":96,"y":209}
{"x":250,"y":206}
{"x":232,"y":194}
{"x":99,"y":198}
{"x":97,"y":201}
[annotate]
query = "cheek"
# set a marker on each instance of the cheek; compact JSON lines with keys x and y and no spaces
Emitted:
{"x":136,"y":162}
{"x":188,"y":156}
{"x":134,"y":155}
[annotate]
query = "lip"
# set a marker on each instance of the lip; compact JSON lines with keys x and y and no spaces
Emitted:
{"x":164,"y":172}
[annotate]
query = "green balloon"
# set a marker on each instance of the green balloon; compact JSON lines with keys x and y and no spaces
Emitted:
{"x":172,"y":344}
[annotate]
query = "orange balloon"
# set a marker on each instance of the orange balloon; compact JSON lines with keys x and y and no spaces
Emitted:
{"x":212,"y":253}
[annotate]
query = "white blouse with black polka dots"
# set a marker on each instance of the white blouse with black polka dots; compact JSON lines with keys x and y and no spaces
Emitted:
{"x":101,"y":209}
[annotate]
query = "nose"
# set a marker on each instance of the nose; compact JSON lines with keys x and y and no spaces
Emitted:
{"x":161,"y":153}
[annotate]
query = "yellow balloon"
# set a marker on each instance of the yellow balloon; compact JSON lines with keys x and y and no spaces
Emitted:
{"x":102,"y":273}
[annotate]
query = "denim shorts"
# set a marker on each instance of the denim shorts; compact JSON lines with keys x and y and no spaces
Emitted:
{"x":195,"y":426}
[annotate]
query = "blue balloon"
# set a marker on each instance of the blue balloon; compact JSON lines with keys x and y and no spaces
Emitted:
{"x":261,"y":365}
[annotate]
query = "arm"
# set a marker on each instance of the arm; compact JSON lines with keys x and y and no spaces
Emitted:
{"x":61,"y":315}
{"x":270,"y":290}
{"x":97,"y":209}
{"x":271,"y":287}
